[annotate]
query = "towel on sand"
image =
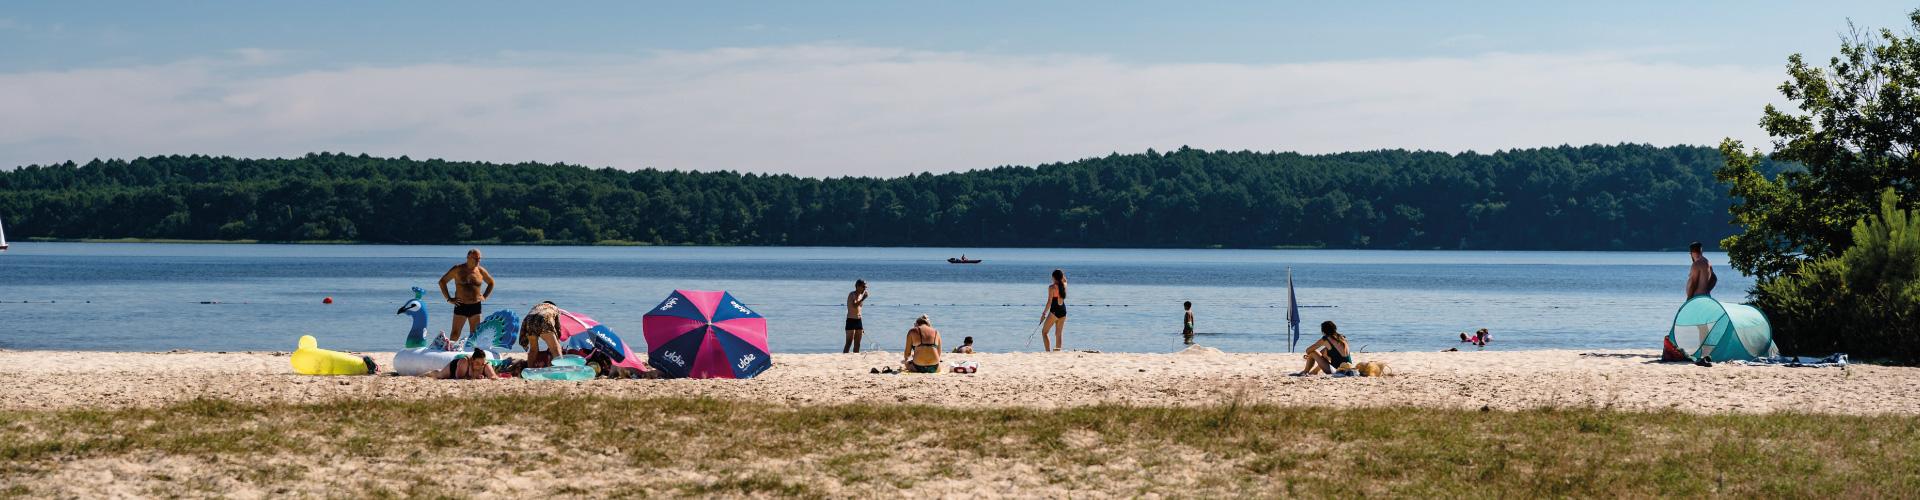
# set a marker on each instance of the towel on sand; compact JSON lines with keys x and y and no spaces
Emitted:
{"x":1832,"y":360}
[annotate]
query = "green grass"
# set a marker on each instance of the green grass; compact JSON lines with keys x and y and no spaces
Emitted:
{"x":1222,"y":450}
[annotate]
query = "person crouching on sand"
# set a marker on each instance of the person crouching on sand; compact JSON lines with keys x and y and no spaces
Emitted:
{"x":1328,"y":353}
{"x":541,"y":325}
{"x":923,"y":348}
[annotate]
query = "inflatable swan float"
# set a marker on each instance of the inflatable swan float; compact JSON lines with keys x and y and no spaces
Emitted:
{"x":495,"y":336}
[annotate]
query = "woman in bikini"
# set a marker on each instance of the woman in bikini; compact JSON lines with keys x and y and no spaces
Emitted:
{"x":923,"y":348}
{"x":470,"y":367}
{"x":1055,"y":315}
{"x":1328,"y":353}
{"x":467,"y":295}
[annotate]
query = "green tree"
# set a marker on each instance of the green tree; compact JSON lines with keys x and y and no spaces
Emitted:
{"x":1855,"y":130}
{"x":1865,"y":301}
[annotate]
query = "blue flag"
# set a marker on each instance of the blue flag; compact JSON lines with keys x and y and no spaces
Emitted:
{"x":1293,"y":315}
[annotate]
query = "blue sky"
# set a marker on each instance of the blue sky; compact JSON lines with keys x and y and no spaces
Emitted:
{"x":884,"y":88}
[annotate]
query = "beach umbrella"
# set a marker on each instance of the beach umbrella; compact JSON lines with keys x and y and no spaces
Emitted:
{"x":706,"y":334}
{"x":582,"y":334}
{"x":1293,"y":315}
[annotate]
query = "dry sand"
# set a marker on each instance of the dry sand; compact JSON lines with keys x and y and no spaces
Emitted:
{"x":1198,"y":376}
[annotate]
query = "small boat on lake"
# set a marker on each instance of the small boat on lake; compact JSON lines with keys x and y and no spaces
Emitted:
{"x":962,"y":260}
{"x":3,"y":238}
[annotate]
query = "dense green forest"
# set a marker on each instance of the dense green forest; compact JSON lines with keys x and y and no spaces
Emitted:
{"x":1591,"y":197}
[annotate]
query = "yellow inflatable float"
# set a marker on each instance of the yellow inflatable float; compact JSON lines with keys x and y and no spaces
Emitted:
{"x":310,"y":359}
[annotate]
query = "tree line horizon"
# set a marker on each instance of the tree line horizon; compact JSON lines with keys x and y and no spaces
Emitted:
{"x":1594,"y":197}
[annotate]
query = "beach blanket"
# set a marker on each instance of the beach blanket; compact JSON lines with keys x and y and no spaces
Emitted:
{"x":1831,"y":361}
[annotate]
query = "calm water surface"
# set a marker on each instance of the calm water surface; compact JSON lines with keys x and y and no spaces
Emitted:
{"x":148,"y":297}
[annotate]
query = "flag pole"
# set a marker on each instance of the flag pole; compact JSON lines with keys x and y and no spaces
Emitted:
{"x":1293,"y":315}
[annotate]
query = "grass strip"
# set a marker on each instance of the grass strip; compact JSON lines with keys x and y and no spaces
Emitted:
{"x":738,"y":448}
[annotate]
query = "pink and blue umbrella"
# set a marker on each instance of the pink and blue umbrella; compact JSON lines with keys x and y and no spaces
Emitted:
{"x":706,"y":334}
{"x":582,"y":335}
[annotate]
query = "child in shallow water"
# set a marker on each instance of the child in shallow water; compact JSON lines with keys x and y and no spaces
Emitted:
{"x":965,"y":348}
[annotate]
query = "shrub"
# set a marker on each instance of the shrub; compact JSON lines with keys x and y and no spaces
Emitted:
{"x":521,"y":234}
{"x":1864,"y":302}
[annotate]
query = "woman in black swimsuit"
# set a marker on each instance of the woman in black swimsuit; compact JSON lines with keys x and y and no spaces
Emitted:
{"x":1055,"y":316}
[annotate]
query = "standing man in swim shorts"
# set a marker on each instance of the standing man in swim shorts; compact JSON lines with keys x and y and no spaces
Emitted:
{"x":467,"y":295}
{"x":1700,"y":279}
{"x":855,"y":300}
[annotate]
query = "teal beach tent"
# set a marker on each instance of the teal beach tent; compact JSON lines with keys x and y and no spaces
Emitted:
{"x":1722,"y":331}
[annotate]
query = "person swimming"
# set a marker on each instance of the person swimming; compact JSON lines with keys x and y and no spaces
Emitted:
{"x":923,"y":347}
{"x":467,"y":295}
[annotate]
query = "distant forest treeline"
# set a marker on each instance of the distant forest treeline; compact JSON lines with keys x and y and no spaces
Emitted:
{"x":1589,"y":198}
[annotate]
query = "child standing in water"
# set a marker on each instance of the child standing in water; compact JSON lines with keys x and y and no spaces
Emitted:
{"x":1187,"y":332}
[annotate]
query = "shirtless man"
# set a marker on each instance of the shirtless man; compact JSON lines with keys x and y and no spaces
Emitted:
{"x":855,"y":330}
{"x":1700,"y":280}
{"x":467,"y":295}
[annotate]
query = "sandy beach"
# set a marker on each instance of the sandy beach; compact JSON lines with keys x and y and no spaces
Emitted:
{"x":1503,"y":380}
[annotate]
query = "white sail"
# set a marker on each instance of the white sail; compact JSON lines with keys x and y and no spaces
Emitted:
{"x":3,"y":237}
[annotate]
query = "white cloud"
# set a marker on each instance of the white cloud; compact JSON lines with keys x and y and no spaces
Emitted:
{"x":838,"y":110}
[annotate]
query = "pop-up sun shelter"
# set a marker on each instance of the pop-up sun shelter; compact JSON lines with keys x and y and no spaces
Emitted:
{"x":1722,"y":331}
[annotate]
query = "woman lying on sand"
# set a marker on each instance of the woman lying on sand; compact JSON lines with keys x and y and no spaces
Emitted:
{"x":1328,"y":353}
{"x":471,"y":367}
{"x":923,"y":347}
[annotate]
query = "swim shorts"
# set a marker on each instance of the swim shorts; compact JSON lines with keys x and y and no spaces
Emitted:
{"x":854,"y":324}
{"x":467,"y":309}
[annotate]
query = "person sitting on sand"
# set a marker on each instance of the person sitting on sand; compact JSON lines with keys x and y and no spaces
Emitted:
{"x":466,"y":367}
{"x":966,"y":346}
{"x":1328,"y":353}
{"x":923,"y":347}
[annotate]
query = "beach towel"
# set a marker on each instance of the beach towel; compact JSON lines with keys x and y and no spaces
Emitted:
{"x":1837,"y":360}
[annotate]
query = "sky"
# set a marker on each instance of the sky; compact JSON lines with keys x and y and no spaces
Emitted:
{"x":892,"y":87}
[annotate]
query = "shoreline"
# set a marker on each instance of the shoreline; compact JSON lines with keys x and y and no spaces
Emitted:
{"x":1494,"y":380}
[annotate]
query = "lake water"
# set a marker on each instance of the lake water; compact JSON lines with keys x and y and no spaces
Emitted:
{"x":156,"y":297}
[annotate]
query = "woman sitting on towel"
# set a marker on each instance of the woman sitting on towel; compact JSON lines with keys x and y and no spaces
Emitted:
{"x":1328,"y":353}
{"x":923,"y":347}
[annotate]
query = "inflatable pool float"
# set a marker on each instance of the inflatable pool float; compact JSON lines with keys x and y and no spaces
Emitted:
{"x":567,"y":367}
{"x":310,"y":359}
{"x":496,"y":335}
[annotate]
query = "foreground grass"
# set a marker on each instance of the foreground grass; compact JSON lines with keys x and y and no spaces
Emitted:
{"x":596,"y":446}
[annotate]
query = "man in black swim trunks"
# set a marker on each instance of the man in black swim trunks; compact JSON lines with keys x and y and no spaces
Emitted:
{"x":467,"y":295}
{"x":855,"y":300}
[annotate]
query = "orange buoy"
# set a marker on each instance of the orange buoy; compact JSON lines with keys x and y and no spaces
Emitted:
{"x":328,"y":300}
